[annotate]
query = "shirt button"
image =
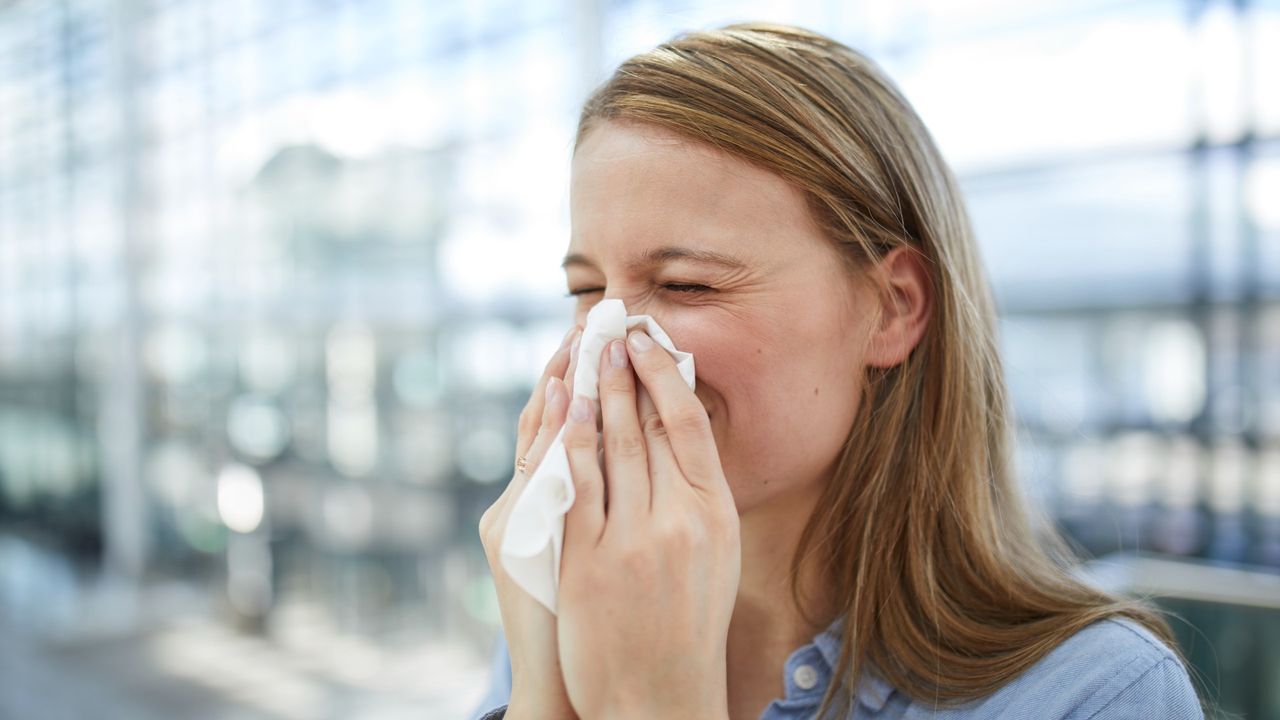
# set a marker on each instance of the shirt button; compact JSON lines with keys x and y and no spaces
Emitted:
{"x":805,"y":677}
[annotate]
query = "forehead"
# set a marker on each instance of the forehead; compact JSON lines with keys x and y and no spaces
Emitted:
{"x":637,"y":191}
{"x":656,"y":256}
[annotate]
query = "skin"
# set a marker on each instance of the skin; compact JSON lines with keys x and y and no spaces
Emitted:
{"x":537,"y":683}
{"x":690,"y":524}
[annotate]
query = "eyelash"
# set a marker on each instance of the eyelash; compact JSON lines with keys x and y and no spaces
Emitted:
{"x":696,"y":289}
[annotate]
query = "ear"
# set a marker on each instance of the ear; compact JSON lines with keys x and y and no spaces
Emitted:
{"x":905,"y":297}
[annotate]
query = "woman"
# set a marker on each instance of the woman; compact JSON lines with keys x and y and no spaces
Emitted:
{"x":829,"y":525}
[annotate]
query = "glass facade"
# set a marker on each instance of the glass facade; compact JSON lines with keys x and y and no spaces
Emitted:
{"x":276,"y":279}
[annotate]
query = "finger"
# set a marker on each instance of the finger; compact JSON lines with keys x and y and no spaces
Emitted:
{"x":533,"y":438}
{"x":683,"y":416}
{"x":573,"y":361}
{"x":661,"y":460}
{"x":555,"y":407}
{"x":626,"y":468}
{"x":531,"y":415}
{"x":585,"y":521}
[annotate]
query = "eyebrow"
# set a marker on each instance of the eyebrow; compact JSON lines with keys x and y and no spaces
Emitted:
{"x":659,"y":256}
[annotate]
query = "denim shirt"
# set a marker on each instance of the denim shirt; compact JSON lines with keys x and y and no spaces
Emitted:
{"x":1109,"y":670}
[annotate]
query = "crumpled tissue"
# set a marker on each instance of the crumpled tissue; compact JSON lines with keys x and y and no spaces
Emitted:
{"x":531,"y":545}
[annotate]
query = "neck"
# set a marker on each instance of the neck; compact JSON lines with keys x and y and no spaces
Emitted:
{"x":764,"y":615}
{"x":766,"y":627}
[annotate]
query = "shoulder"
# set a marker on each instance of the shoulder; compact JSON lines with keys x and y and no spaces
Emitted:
{"x":1122,"y":670}
{"x":1112,"y":668}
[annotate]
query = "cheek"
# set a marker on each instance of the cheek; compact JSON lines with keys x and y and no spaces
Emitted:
{"x":780,"y":416}
{"x":726,"y":358}
{"x":783,"y":439}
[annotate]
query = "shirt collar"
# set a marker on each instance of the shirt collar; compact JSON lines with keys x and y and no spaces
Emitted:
{"x":873,"y":692}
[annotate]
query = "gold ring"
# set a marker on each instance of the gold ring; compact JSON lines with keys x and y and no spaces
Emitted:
{"x":521,"y":464}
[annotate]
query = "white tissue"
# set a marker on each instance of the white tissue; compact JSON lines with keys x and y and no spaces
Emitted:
{"x":535,"y":529}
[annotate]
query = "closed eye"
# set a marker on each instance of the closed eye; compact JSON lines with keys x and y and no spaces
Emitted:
{"x":674,"y":287}
{"x":686,"y":288}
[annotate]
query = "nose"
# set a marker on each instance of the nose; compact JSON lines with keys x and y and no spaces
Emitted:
{"x":636,"y":305}
{"x":631,"y":303}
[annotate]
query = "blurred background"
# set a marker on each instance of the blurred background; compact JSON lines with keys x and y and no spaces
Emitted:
{"x":276,"y":279}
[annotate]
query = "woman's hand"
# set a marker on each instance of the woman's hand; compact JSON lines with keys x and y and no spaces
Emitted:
{"x":537,"y":685}
{"x":652,"y":555}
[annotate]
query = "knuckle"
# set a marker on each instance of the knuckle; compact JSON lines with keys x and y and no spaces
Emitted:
{"x":620,"y":382}
{"x":492,"y":523}
{"x":637,"y":562}
{"x":527,"y":424}
{"x":488,"y":531}
{"x":625,"y":445}
{"x":690,"y":419}
{"x":652,"y":425}
{"x":680,"y":536}
{"x":585,"y":490}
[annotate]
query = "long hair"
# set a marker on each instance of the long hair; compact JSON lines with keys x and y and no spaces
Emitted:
{"x":948,"y":587}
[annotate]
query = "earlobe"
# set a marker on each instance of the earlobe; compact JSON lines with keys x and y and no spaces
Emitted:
{"x":905,"y":299}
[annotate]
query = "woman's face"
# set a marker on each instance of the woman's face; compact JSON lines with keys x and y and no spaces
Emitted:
{"x":778,"y":338}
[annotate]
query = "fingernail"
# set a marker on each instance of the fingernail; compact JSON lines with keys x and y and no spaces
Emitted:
{"x":617,"y":355}
{"x":568,"y":336}
{"x":551,"y":389}
{"x":573,"y":352}
{"x":640,"y":341}
{"x":580,"y":409}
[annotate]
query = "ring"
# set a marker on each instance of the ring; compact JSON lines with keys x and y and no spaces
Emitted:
{"x":521,"y":464}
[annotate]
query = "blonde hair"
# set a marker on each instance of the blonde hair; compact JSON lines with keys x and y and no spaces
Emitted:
{"x":947,"y":588}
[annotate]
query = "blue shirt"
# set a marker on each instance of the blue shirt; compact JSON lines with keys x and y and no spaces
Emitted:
{"x":1109,"y":670}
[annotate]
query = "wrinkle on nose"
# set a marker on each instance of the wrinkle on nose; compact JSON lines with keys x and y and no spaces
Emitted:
{"x":638,"y":304}
{"x":636,"y":307}
{"x":631,"y":305}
